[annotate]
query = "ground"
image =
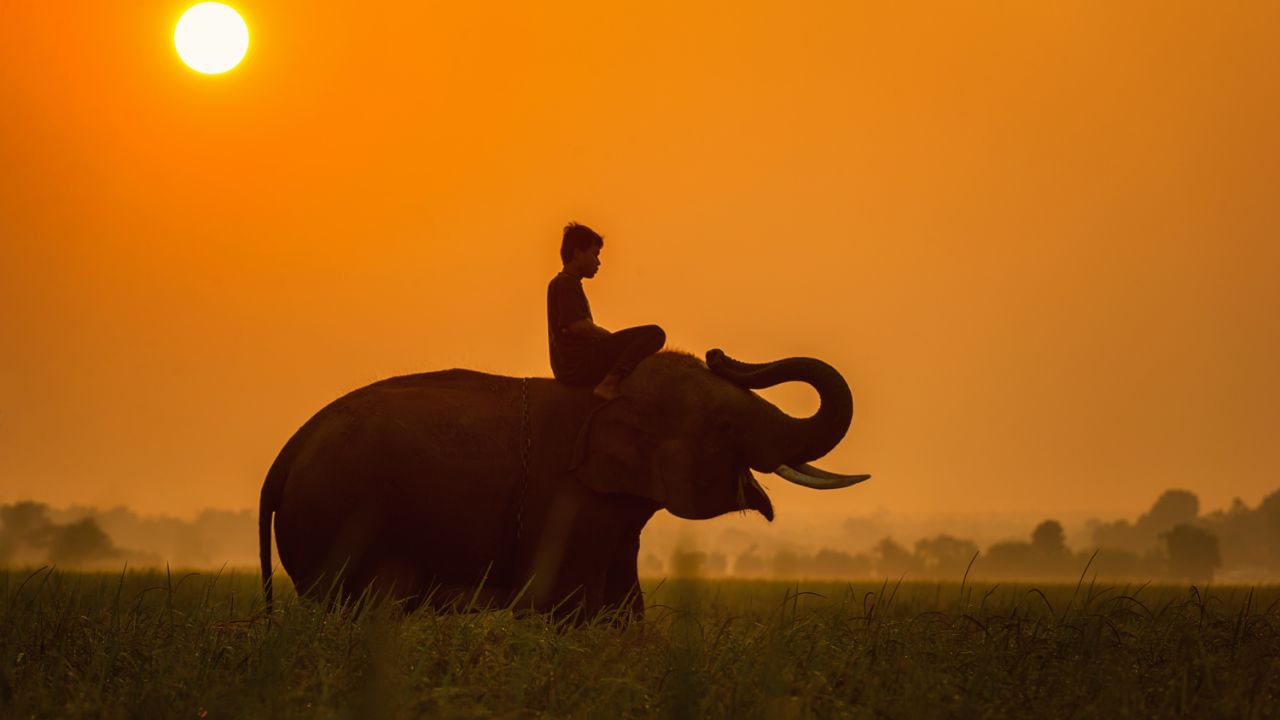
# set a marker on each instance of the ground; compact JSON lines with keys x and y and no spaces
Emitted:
{"x":151,"y":644}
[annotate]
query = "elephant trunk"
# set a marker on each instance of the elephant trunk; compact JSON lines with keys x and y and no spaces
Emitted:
{"x":799,"y":440}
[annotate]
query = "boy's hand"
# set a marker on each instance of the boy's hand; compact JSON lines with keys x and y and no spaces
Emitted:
{"x":587,"y":329}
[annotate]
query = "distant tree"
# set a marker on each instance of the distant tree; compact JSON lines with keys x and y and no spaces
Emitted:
{"x":944,"y":556}
{"x":828,"y":563}
{"x":1173,"y":507}
{"x":894,"y":560}
{"x":785,"y":564}
{"x":694,"y":563}
{"x":650,"y":565}
{"x":1118,"y":535}
{"x":1193,"y":553}
{"x":1173,"y":539}
{"x":25,"y":518}
{"x":25,"y":532}
{"x":686,"y":563}
{"x":81,"y":543}
{"x":1242,"y":537}
{"x":1117,"y":563}
{"x":1045,"y":557}
{"x":1049,"y":539}
{"x":1009,"y":560}
{"x":1269,"y":510}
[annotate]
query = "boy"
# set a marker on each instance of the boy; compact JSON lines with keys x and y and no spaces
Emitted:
{"x":583,"y":353}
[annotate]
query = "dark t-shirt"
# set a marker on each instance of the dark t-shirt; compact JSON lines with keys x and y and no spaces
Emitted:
{"x":566,"y":304}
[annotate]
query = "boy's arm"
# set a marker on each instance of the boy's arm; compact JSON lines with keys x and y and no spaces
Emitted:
{"x":572,"y":312}
{"x":587,"y":329}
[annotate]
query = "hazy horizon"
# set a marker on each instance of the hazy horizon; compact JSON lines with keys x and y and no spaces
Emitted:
{"x":977,"y":524}
{"x":1235,"y":544}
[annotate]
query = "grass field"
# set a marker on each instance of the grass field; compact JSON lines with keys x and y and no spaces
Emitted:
{"x":151,"y":644}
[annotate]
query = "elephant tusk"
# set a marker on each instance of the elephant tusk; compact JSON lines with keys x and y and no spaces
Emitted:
{"x":817,"y":478}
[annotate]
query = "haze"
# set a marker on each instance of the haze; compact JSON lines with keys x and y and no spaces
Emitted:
{"x":1038,"y":239}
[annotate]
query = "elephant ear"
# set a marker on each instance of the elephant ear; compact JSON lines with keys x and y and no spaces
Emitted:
{"x":616,"y":450}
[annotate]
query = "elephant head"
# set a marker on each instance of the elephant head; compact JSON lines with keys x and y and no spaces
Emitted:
{"x":686,"y":435}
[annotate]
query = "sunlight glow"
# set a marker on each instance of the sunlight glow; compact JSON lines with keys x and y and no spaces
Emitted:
{"x":211,"y":38}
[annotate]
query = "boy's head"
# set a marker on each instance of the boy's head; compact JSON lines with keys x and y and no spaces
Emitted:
{"x":580,"y":250}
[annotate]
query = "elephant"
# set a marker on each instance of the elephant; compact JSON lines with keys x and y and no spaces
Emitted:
{"x":454,"y":485}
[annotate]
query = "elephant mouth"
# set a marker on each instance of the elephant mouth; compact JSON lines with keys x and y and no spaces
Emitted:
{"x":751,"y":495}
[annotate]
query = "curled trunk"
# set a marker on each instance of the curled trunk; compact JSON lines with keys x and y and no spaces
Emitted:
{"x":797,"y":440}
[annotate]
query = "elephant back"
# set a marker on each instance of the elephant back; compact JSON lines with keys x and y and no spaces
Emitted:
{"x":383,"y":474}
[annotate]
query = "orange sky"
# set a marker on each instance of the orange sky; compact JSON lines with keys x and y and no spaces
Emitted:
{"x":1041,"y":240}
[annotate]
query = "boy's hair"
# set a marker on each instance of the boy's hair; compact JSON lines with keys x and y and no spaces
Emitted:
{"x":578,"y":237}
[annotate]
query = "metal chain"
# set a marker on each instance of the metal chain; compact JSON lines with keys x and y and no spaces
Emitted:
{"x":526,"y":427}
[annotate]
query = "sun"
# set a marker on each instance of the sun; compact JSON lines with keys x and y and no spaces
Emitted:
{"x":211,"y":38}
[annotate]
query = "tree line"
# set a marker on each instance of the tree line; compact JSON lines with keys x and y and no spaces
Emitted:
{"x":1171,"y":542}
{"x":34,"y":534}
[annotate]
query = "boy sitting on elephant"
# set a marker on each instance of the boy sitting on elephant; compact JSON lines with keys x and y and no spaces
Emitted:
{"x":583,"y":353}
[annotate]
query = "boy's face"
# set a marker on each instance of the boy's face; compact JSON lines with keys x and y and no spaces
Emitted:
{"x":587,"y":262}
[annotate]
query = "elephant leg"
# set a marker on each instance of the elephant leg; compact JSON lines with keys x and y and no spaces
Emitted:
{"x":622,"y":583}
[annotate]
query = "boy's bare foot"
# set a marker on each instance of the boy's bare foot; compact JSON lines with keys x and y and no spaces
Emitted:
{"x":607,"y":389}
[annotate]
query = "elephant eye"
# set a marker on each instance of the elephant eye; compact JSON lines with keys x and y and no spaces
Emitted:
{"x":725,"y":429}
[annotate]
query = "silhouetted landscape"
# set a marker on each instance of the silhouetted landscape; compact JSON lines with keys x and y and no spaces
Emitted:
{"x":33,"y":533}
{"x":1172,"y":541}
{"x":827,"y":359}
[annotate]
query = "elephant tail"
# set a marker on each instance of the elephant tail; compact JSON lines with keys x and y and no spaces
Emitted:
{"x":272,"y":488}
{"x":266,"y":507}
